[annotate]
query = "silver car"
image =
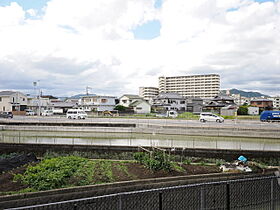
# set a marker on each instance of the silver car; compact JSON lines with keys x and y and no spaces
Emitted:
{"x":204,"y":117}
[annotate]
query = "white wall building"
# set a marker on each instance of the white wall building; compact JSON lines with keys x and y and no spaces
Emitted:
{"x":98,"y":103}
{"x":148,"y":93}
{"x":127,"y":99}
{"x":141,"y":107}
{"x":12,"y":101}
{"x":202,"y":86}
{"x":169,"y":101}
{"x":276,"y":102}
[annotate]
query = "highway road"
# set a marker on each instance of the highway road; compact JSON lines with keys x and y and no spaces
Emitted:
{"x":248,"y":124}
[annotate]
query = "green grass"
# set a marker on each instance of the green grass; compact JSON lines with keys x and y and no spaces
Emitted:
{"x":188,"y":116}
{"x":177,"y":167}
{"x":248,"y":117}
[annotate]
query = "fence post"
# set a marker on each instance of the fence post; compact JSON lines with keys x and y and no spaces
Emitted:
{"x":160,"y":200}
{"x":202,"y":198}
{"x":227,"y":196}
{"x":120,"y":202}
{"x":272,"y":203}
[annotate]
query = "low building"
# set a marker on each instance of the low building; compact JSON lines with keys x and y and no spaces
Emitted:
{"x":194,"y":105}
{"x":13,"y":101}
{"x":141,"y":106}
{"x":222,"y":105}
{"x":127,"y":99}
{"x":253,"y":110}
{"x":262,"y":103}
{"x":38,"y":104}
{"x":98,"y":103}
{"x":61,"y":107}
{"x":169,"y":101}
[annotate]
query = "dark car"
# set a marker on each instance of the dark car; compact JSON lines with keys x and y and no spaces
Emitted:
{"x":6,"y":114}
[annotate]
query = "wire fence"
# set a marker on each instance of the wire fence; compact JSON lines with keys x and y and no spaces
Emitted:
{"x":262,"y":193}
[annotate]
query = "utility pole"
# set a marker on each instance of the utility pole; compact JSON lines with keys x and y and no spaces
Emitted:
{"x":87,"y":90}
{"x":35,"y":84}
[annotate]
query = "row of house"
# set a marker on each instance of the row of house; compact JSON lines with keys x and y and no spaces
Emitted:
{"x":18,"y":102}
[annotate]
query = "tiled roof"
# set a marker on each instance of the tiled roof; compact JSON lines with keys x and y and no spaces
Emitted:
{"x":7,"y":93}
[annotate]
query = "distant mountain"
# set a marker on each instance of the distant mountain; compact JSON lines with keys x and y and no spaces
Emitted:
{"x":249,"y":94}
{"x":81,"y":95}
{"x":63,"y":98}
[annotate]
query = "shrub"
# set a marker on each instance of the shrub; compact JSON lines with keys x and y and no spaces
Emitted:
{"x":155,"y":161}
{"x":242,"y":110}
{"x":120,"y":108}
{"x":52,"y":173}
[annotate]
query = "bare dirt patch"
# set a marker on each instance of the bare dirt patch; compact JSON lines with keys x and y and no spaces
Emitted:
{"x":6,"y":180}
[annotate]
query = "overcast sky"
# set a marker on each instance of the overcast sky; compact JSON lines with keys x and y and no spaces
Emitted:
{"x":116,"y":46}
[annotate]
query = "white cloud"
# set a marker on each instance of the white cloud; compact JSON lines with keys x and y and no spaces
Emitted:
{"x":79,"y":43}
{"x":12,"y":15}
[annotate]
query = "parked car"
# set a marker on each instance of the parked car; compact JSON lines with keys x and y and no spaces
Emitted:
{"x":76,"y":114}
{"x":170,"y":113}
{"x":29,"y":112}
{"x":47,"y":113}
{"x":204,"y":117}
{"x":6,"y":115}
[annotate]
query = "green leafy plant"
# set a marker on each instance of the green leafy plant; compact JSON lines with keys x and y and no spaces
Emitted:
{"x":156,"y":160}
{"x":242,"y":110}
{"x":52,"y":173}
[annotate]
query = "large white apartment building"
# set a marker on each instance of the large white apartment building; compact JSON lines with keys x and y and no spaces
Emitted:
{"x":203,"y":86}
{"x":148,"y":93}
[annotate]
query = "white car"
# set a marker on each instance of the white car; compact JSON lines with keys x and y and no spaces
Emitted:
{"x":204,"y":117}
{"x":47,"y":113}
{"x":29,"y":112}
{"x":170,"y":113}
{"x":76,"y":114}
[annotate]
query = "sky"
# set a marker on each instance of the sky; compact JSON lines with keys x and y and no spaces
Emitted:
{"x":117,"y":46}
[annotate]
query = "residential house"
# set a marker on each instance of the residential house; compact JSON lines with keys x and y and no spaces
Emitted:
{"x":262,"y":103}
{"x":169,"y":101}
{"x":12,"y":101}
{"x":140,"y":106}
{"x":61,"y":107}
{"x":194,"y":105}
{"x":127,"y":99}
{"x":98,"y":103}
{"x":38,"y":104}
{"x":221,"y":104}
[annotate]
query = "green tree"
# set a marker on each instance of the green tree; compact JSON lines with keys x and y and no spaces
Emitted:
{"x":120,"y":108}
{"x":242,"y":110}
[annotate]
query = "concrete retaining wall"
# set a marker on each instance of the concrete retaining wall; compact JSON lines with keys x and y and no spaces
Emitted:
{"x":150,"y":129}
{"x":40,"y":149}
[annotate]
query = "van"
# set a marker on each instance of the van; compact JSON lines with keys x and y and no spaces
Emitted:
{"x":204,"y":117}
{"x":76,"y":114}
{"x":267,"y":116}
